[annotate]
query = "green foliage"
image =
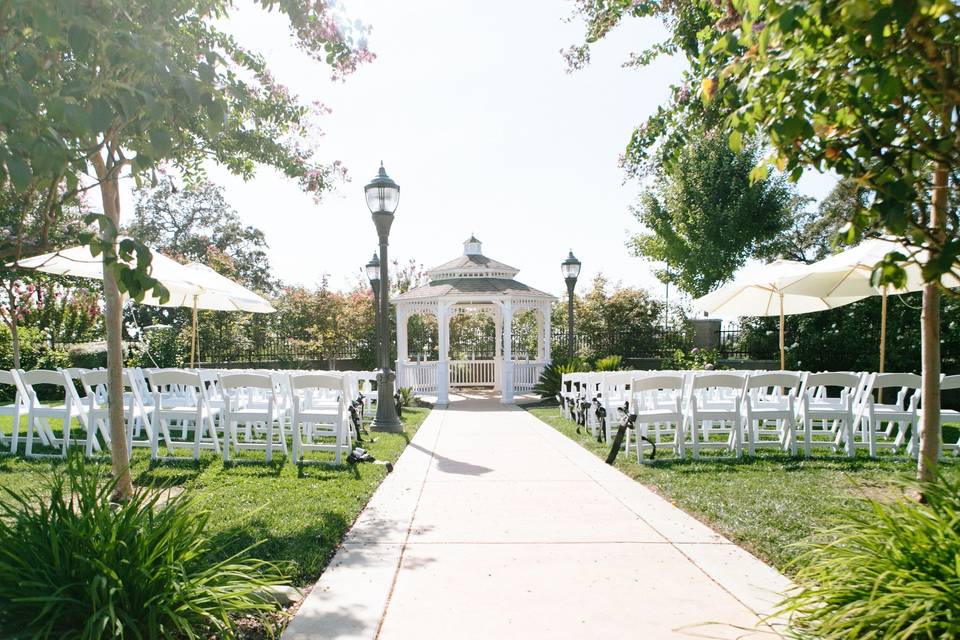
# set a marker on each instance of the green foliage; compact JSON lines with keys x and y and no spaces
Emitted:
{"x":864,"y":89}
{"x":621,"y":320}
{"x":551,"y":378}
{"x":848,"y":338}
{"x":407,"y":397}
{"x":194,"y":223}
{"x":77,"y":566}
{"x":706,"y":216}
{"x":695,"y":358}
{"x":890,"y":571}
{"x":609,"y":363}
{"x":164,"y":348}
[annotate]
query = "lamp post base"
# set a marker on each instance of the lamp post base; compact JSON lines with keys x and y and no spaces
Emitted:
{"x":386,"y":420}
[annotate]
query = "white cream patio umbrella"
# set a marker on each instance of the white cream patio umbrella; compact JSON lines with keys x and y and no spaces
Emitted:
{"x":196,"y":286}
{"x":80,"y":263}
{"x":849,"y":273}
{"x":760,"y":291}
{"x":217,"y":293}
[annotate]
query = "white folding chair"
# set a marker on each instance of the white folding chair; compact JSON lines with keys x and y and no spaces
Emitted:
{"x":40,"y":414}
{"x":320,"y":414}
{"x":657,"y":401}
{"x":948,"y":383}
{"x":886,"y":425}
{"x":614,"y":399}
{"x":136,"y":413}
{"x":251,"y":399}
{"x":713,"y":409}
{"x":19,"y":407}
{"x":828,"y":404}
{"x":770,"y":411}
{"x":180,"y":397}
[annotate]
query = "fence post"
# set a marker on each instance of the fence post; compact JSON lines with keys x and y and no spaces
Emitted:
{"x":706,"y":333}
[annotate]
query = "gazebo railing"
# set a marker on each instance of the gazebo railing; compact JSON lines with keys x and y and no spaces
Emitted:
{"x":473,"y":373}
{"x":526,"y":375}
{"x":419,"y":376}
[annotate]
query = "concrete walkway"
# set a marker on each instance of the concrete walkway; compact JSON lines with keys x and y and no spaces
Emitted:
{"x":495,"y":526}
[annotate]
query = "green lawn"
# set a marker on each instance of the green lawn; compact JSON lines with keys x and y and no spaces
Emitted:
{"x":299,"y":514}
{"x":767,"y":502}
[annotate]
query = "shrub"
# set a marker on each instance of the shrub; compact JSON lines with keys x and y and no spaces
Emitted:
{"x":609,"y":363}
{"x":551,"y":378}
{"x":891,"y":571}
{"x":695,"y":358}
{"x":76,"y":566}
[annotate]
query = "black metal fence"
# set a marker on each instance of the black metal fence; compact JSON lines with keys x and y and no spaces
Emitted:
{"x":285,"y":350}
{"x":655,"y":343}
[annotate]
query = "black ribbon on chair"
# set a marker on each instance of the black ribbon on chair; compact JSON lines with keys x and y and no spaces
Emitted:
{"x":628,"y":421}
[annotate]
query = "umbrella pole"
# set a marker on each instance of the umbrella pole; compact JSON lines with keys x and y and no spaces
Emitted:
{"x":193,"y":338}
{"x":883,"y":336}
{"x":783,"y":359}
{"x":883,"y":328}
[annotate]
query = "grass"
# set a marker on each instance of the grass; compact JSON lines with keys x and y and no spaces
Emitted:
{"x":766,"y":503}
{"x":298,"y":514}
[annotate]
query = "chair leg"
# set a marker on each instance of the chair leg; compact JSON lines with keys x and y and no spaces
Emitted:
{"x":15,"y":436}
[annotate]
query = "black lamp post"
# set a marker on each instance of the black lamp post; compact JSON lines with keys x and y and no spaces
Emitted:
{"x":383,"y":196}
{"x":373,"y":275}
{"x":571,"y":271}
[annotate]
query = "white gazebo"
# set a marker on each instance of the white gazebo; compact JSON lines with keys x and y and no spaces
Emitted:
{"x":473,"y":283}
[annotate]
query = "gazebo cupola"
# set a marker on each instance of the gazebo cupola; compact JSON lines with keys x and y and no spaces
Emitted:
{"x":473,"y":283}
{"x":471,"y":247}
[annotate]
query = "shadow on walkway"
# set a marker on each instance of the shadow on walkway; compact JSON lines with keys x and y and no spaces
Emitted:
{"x":449,"y":465}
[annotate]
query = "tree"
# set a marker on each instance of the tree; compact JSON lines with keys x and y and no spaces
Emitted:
{"x":623,"y":321}
{"x":814,"y":233}
{"x":30,"y":226}
{"x":117,"y":88}
{"x":866,"y":89}
{"x":706,"y":217}
{"x":195,"y":223}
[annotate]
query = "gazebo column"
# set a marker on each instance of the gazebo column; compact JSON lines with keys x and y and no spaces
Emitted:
{"x":497,"y":348}
{"x":403,"y":357}
{"x":506,"y":392}
{"x":443,"y":349}
{"x":545,"y":314}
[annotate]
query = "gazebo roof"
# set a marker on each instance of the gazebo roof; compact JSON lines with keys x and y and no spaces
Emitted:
{"x":472,"y":274}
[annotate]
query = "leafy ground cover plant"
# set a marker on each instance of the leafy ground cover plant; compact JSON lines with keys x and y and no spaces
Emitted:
{"x":76,"y":565}
{"x":890,"y":571}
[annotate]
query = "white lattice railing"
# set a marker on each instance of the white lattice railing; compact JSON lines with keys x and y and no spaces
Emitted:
{"x":419,"y":376}
{"x":526,"y":375}
{"x":473,"y":373}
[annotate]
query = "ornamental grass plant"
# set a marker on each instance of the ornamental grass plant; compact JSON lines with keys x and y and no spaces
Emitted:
{"x":73,"y":564}
{"x":891,"y":571}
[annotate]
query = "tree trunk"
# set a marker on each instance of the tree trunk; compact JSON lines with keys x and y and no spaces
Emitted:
{"x":113,"y":321}
{"x":930,"y":343}
{"x":14,"y":339}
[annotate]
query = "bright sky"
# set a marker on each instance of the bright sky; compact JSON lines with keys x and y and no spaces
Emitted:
{"x":470,"y":108}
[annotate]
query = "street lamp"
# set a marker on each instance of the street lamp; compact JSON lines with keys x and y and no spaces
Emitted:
{"x":571,"y":271}
{"x":383,"y":196}
{"x":373,"y":275}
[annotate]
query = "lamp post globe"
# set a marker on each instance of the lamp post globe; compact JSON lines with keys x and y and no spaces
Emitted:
{"x":373,"y":275}
{"x":383,"y":195}
{"x":571,"y":271}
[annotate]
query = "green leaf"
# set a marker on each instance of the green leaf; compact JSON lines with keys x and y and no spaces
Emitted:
{"x":101,"y":115}
{"x":735,"y":140}
{"x":161,"y":142}
{"x":79,"y":39}
{"x":19,"y":172}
